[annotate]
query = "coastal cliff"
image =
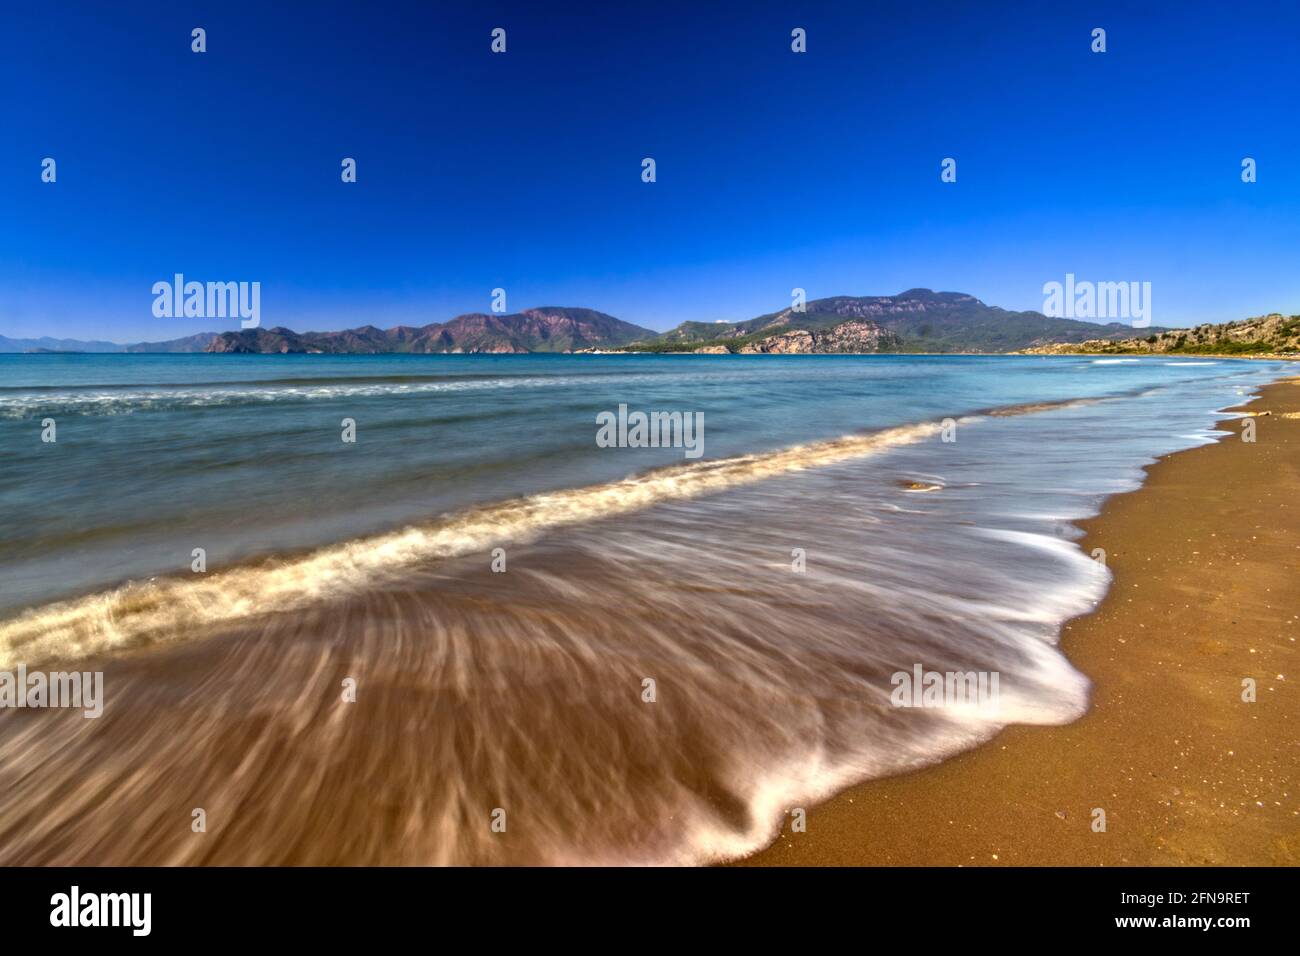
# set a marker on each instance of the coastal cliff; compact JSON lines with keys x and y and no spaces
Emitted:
{"x":854,"y":337}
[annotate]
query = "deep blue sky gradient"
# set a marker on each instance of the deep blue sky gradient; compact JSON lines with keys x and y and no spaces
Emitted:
{"x":775,"y":170}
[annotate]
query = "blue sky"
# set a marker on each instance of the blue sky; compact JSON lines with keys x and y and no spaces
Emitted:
{"x":522,"y":170}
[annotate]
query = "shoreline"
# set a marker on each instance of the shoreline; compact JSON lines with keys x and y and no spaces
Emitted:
{"x":1254,"y":356}
{"x":242,"y":713}
{"x":1186,"y":772}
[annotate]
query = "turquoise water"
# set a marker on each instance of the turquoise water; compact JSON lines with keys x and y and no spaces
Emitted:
{"x":242,"y":455}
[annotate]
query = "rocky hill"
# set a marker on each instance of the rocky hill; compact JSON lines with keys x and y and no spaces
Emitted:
{"x":548,"y":329}
{"x":853,"y":337}
{"x":1262,"y":336}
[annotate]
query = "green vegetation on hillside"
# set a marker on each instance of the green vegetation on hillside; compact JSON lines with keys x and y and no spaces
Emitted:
{"x":924,"y":320}
{"x":1266,"y":335}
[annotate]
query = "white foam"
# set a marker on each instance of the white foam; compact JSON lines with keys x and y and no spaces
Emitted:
{"x":169,"y":609}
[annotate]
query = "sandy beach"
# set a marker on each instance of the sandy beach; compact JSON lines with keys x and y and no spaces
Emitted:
{"x":386,"y":698}
{"x":1205,"y":594}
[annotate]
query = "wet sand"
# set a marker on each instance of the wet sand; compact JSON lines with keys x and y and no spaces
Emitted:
{"x":372,"y":712}
{"x":1206,"y":559}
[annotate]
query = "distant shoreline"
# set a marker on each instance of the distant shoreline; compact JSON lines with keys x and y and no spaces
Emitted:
{"x":1256,"y":356}
{"x":1253,"y":356}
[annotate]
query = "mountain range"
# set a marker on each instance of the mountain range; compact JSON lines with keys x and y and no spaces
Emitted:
{"x":190,"y":343}
{"x":548,"y":329}
{"x":918,"y":320}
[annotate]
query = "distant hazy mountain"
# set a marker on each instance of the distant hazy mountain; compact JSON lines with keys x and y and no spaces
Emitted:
{"x":191,"y":343}
{"x":47,"y":344}
{"x":920,"y":320}
{"x":548,"y":329}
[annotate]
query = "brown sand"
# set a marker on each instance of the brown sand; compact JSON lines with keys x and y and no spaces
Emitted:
{"x":1206,"y":558}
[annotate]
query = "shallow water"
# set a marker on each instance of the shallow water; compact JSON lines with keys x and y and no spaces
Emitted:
{"x":524,"y":690}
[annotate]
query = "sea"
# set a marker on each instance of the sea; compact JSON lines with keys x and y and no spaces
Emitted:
{"x":411,"y":610}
